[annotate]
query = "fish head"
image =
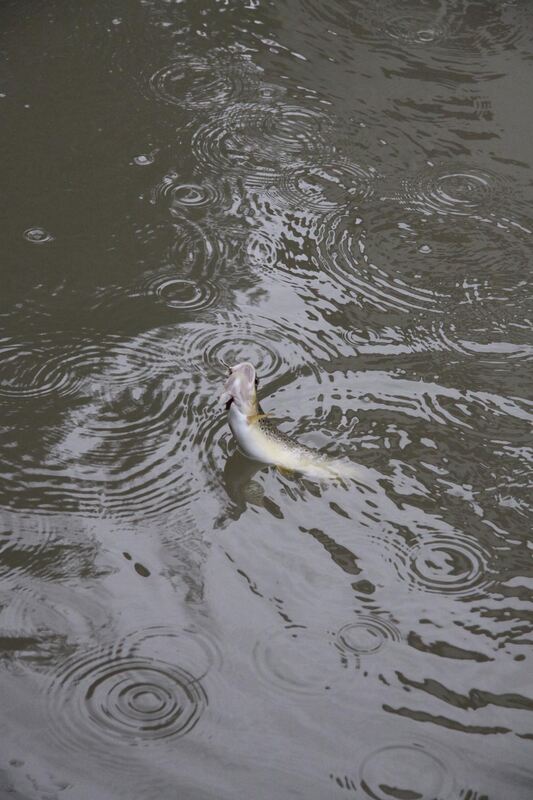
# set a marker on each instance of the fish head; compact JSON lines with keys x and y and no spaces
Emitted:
{"x":240,"y":388}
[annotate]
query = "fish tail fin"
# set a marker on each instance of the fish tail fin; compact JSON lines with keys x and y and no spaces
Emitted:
{"x":345,"y":471}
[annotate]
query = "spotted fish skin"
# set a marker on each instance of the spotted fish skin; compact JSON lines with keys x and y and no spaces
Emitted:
{"x":278,"y":438}
{"x":259,"y":438}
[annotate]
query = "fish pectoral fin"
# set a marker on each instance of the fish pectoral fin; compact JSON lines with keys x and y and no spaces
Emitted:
{"x":285,"y":471}
{"x":253,"y":418}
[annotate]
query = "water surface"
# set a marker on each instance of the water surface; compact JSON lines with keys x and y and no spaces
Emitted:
{"x":341,"y":193}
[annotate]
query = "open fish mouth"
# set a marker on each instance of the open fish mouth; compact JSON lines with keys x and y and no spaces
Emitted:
{"x":240,"y":385}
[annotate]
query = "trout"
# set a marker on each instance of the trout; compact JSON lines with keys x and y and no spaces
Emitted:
{"x":259,"y":438}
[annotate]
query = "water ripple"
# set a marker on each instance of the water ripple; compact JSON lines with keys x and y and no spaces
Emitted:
{"x":451,"y":35}
{"x":74,"y":612}
{"x":213,"y":345}
{"x":323,"y":186}
{"x":260,"y":138}
{"x":366,"y":636}
{"x":453,"y":190}
{"x":447,"y":564}
{"x":196,"y":251}
{"x":200,"y":84}
{"x":126,"y":449}
{"x":38,"y":236}
{"x":261,"y":249}
{"x":24,"y":546}
{"x":406,"y":771}
{"x":124,"y":454}
{"x":274,"y":346}
{"x":180,"y":196}
{"x":175,"y":291}
{"x":34,"y":369}
{"x":451,"y":259}
{"x":144,"y":159}
{"x":419,"y":25}
{"x":297,"y":660}
{"x":342,"y":252}
{"x":199,"y":653}
{"x":120,"y":361}
{"x":109,"y":696}
{"x":191,"y":195}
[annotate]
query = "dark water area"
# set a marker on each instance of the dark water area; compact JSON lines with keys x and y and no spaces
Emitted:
{"x":340,"y":192}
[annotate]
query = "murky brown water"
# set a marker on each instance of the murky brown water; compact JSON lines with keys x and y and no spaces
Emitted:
{"x":340,"y":192}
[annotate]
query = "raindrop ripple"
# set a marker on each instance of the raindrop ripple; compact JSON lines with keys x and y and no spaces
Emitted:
{"x":453,"y":190}
{"x":120,"y":698}
{"x":366,"y":636}
{"x":175,"y":291}
{"x":297,"y":660}
{"x":448,"y":564}
{"x":38,"y":236}
{"x":401,"y":771}
{"x":342,"y":253}
{"x":200,"y":84}
{"x":34,"y":369}
{"x":260,"y":139}
{"x":327,"y":185}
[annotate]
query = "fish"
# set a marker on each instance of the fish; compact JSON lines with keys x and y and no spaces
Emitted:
{"x":260,"y":439}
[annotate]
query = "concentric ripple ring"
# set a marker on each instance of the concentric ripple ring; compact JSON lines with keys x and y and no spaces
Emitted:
{"x":448,"y":564}
{"x":366,"y":636}
{"x":124,"y":699}
{"x":405,"y":771}
{"x":297,"y":661}
{"x":181,"y":293}
{"x":201,"y":83}
{"x":455,"y":191}
{"x":38,"y":236}
{"x":325,"y":186}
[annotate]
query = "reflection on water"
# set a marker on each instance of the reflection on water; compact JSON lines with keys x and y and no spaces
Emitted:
{"x":340,"y":193}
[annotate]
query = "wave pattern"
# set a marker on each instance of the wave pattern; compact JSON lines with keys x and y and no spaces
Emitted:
{"x":445,"y":35}
{"x":399,"y":770}
{"x":201,"y":83}
{"x":448,"y":565}
{"x":33,"y":369}
{"x":454,"y":191}
{"x":297,"y":661}
{"x":327,"y":186}
{"x":184,"y":294}
{"x":344,"y":202}
{"x":38,"y":236}
{"x":260,"y":139}
{"x":366,"y":636}
{"x":123,"y":699}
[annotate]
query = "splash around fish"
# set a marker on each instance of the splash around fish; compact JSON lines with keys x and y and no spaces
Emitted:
{"x":259,"y":438}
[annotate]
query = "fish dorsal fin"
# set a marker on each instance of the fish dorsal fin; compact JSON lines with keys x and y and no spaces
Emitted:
{"x":253,"y":418}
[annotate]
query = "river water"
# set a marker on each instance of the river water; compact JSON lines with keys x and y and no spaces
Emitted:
{"x":341,"y":193}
